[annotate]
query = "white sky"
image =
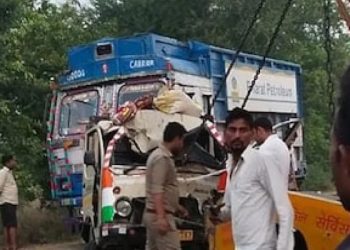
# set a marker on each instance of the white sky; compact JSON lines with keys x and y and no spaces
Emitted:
{"x":83,"y":2}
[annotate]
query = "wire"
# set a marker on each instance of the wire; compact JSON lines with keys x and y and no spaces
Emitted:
{"x":328,"y":49}
{"x":267,"y":51}
{"x":240,"y":47}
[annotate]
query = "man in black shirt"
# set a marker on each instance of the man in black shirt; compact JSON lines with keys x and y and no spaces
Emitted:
{"x":340,"y":149}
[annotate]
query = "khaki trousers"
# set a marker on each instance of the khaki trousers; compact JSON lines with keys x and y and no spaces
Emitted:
{"x":157,"y":241}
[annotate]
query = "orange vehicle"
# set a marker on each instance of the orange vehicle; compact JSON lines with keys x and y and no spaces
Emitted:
{"x":320,"y":224}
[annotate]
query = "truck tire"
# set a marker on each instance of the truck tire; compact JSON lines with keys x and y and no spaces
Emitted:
{"x":91,"y":246}
{"x":85,"y":232}
{"x":196,"y":247}
{"x":299,"y":241}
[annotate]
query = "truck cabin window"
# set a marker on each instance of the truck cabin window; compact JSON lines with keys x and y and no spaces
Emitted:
{"x":124,"y":153}
{"x":76,"y":111}
{"x":131,"y":92}
{"x":204,"y":149}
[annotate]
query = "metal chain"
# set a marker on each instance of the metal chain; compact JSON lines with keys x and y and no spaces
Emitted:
{"x":328,"y":49}
{"x":267,"y":51}
{"x":240,"y":47}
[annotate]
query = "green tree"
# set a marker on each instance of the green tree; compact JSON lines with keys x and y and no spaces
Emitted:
{"x":223,"y":22}
{"x":35,"y":45}
{"x":35,"y":36}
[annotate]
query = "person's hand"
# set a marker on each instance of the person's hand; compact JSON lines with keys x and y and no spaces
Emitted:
{"x":183,"y":212}
{"x":163,"y":225}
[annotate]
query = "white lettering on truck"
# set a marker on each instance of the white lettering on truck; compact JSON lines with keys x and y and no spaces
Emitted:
{"x":76,"y":74}
{"x":136,"y":64}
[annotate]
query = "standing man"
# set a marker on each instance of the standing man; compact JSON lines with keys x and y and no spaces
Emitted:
{"x":276,"y":151}
{"x":9,"y":201}
{"x":162,"y":191}
{"x":340,"y":149}
{"x":276,"y":155}
{"x":253,"y":191}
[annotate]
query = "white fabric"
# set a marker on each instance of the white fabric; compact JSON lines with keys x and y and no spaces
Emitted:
{"x":253,"y":195}
{"x":8,"y":187}
{"x":177,"y":101}
{"x":277,"y":154}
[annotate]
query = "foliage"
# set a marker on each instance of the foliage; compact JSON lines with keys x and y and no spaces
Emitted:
{"x":35,"y":44}
{"x":49,"y":224}
{"x":35,"y":35}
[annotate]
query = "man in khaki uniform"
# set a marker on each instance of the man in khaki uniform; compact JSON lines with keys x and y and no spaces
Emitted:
{"x":162,"y":192}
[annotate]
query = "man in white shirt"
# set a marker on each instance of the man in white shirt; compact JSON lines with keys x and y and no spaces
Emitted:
{"x":9,"y":201}
{"x":276,"y":155}
{"x":252,"y":194}
{"x":273,"y":147}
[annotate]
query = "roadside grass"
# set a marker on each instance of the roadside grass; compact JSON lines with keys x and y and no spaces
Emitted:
{"x":42,"y":225}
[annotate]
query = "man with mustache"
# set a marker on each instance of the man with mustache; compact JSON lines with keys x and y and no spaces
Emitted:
{"x":252,"y":195}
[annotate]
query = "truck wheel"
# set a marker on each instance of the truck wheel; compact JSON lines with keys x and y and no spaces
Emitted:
{"x":299,"y":241}
{"x":85,"y":232}
{"x":91,"y":246}
{"x":196,"y":247}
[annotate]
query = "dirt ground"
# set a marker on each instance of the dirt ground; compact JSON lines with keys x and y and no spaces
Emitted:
{"x":78,"y":245}
{"x":75,"y":245}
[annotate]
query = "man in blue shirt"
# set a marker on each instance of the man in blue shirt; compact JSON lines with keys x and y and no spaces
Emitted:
{"x":340,"y":149}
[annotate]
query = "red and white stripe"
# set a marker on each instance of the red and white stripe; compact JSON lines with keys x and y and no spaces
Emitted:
{"x":109,"y":152}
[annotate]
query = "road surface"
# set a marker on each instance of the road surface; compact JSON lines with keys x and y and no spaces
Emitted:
{"x":75,"y":245}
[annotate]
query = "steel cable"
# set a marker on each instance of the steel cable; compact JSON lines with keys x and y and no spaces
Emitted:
{"x":267,"y":51}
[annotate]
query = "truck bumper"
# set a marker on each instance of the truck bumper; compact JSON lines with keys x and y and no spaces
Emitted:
{"x":123,"y":235}
{"x":131,"y":236}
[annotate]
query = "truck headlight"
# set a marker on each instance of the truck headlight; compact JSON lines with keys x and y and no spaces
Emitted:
{"x":123,"y":207}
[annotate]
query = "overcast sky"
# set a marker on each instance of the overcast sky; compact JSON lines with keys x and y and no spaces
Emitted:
{"x":84,"y":2}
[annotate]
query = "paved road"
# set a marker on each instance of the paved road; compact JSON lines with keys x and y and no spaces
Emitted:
{"x":76,"y":245}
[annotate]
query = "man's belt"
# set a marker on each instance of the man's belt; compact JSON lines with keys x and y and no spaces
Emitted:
{"x":153,"y":211}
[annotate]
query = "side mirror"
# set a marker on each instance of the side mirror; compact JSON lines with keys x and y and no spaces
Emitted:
{"x":89,"y":158}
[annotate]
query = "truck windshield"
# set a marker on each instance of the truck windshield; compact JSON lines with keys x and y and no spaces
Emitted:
{"x":76,"y":111}
{"x":130,"y":92}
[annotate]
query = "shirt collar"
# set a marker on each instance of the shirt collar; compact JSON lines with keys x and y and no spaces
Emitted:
{"x":6,"y":168}
{"x":271,"y":137}
{"x":234,"y":169}
{"x":250,"y":147}
{"x":256,"y":145}
{"x":165,"y":150}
